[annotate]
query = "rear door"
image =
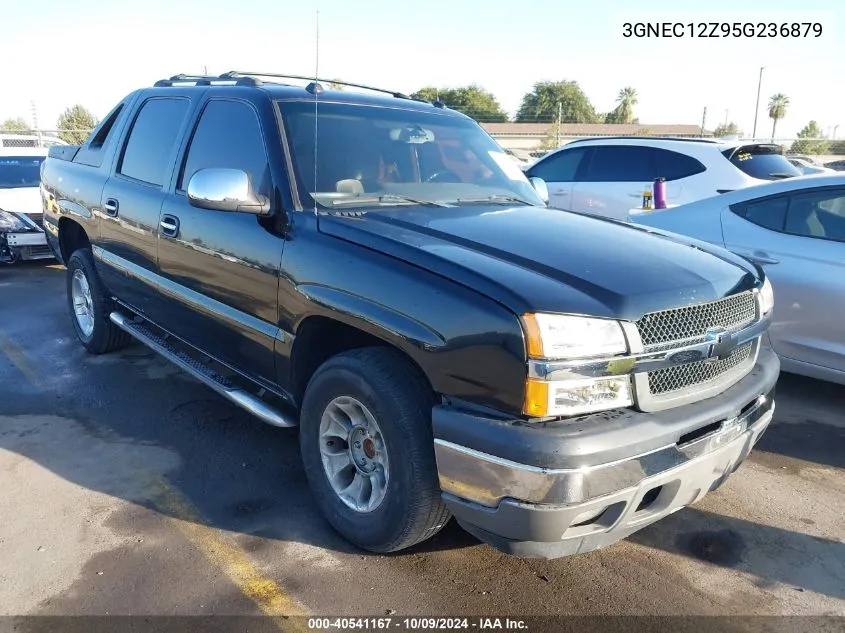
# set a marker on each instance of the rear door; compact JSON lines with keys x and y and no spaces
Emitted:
{"x":614,"y":180}
{"x":799,"y":239}
{"x":132,"y":196}
{"x":559,"y":171}
{"x":219,"y":268}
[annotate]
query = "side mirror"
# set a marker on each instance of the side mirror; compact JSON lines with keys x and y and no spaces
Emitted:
{"x":540,"y":187}
{"x":226,"y":190}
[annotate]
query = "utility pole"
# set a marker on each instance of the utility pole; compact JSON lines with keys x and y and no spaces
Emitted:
{"x":703,"y":121}
{"x":835,"y":127}
{"x":726,"y":117}
{"x":35,"y":122}
{"x":559,"y":117}
{"x":205,"y":70}
{"x":757,"y":107}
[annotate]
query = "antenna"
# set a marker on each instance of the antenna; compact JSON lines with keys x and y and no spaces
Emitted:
{"x":316,"y":99}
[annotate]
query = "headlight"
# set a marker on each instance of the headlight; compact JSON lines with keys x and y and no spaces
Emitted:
{"x":767,"y":297}
{"x":558,"y":336}
{"x":576,"y":397}
{"x":570,"y":337}
{"x":10,"y":222}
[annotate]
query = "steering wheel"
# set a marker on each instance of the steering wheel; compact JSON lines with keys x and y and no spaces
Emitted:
{"x":443,"y":176}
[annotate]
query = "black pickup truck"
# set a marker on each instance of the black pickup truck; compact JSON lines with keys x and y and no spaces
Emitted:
{"x":379,"y":272}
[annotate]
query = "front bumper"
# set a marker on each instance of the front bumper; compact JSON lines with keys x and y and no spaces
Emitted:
{"x":570,"y":487}
{"x":27,"y":245}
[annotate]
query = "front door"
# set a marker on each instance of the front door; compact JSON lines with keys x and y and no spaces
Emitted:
{"x":222,"y":268}
{"x":799,"y":239}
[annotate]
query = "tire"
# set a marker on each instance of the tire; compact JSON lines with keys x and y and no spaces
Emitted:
{"x":399,"y":400}
{"x":104,"y":336}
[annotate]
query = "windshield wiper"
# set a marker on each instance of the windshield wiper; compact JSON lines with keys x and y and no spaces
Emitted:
{"x":386,"y":199}
{"x":779,"y":174}
{"x":499,"y":198}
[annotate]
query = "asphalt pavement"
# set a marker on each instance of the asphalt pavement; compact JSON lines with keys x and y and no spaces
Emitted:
{"x":128,"y":488}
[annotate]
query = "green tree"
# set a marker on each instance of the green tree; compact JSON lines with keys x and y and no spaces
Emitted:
{"x":624,"y":111}
{"x":544,"y":100}
{"x":472,"y":100}
{"x":15,"y":125}
{"x":334,"y":85}
{"x":810,"y":131}
{"x":727,"y":129}
{"x":75,"y":124}
{"x":837,"y":147}
{"x":777,"y":109}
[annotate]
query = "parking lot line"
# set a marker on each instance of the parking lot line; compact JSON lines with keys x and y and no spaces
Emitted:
{"x":267,"y":594}
{"x":19,"y":360}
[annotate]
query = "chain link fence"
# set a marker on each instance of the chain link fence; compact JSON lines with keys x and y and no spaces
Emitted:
{"x":39,"y":138}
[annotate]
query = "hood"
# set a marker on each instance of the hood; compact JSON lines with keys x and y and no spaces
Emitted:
{"x":21,"y":200}
{"x":534,"y":259}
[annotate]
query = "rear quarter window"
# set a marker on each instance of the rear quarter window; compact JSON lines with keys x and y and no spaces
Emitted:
{"x":765,"y":162}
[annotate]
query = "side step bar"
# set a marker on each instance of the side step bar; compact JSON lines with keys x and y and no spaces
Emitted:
{"x":203,"y":373}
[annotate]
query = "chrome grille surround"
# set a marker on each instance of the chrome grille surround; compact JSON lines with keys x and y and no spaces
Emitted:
{"x":688,"y":325}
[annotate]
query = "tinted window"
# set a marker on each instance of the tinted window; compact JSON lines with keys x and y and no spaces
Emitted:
{"x":769,"y":213}
{"x":20,"y":171}
{"x":818,"y":214}
{"x":765,"y":162}
{"x":674,"y":166}
{"x":152,"y":139}
{"x":228,"y":135}
{"x":622,"y":163}
{"x":560,"y":167}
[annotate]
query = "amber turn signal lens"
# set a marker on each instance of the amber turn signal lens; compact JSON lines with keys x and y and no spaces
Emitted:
{"x":532,"y":336}
{"x":536,"y":398}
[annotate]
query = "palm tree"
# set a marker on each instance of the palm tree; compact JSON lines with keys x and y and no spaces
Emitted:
{"x":777,"y":110}
{"x":626,"y":99}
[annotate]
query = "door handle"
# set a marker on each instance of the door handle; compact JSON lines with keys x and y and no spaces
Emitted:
{"x":169,"y":225}
{"x":111,"y":207}
{"x":560,"y":192}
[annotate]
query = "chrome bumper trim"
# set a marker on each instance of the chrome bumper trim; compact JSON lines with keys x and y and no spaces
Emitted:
{"x":641,"y":362}
{"x":486,"y":479}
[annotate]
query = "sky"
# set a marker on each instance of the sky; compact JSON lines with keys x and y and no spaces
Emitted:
{"x":58,"y":53}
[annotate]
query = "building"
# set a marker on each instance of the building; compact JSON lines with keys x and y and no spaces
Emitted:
{"x":528,"y":137}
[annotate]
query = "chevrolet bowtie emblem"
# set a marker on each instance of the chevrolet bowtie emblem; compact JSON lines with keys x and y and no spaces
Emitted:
{"x":722,"y":343}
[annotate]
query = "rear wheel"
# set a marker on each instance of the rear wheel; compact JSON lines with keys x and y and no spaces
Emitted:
{"x":90,"y":306}
{"x":368,"y":450}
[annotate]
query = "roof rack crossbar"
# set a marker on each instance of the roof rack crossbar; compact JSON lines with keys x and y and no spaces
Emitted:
{"x":243,"y":73}
{"x":207,"y":80}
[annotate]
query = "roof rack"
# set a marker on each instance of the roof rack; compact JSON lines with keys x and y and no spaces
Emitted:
{"x":246,"y":75}
{"x":208,"y":80}
{"x":641,"y":137}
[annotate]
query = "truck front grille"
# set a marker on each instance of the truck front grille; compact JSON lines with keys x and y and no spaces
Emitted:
{"x":679,"y":327}
{"x":672,"y":379}
{"x":688,"y":325}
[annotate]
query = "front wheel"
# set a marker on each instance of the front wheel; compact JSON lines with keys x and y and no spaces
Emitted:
{"x":90,"y":306}
{"x":368,"y":450}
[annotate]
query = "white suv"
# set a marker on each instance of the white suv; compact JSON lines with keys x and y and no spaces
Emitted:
{"x":607,"y":176}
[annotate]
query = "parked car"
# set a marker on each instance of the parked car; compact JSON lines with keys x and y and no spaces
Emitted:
{"x":14,"y":140}
{"x":809,"y":168}
{"x":796,"y":230}
{"x":21,"y":233}
{"x":836,"y":165}
{"x":607,"y":176}
{"x":377,"y":271}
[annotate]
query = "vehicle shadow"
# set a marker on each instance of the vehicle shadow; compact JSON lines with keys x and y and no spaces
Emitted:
{"x":809,"y":424}
{"x":752,"y":548}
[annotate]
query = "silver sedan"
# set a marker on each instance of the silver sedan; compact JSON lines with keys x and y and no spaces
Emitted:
{"x":795,"y":230}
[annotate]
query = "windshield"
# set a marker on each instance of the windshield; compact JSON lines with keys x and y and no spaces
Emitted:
{"x":20,"y":171}
{"x":765,"y":162}
{"x":376,"y":156}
